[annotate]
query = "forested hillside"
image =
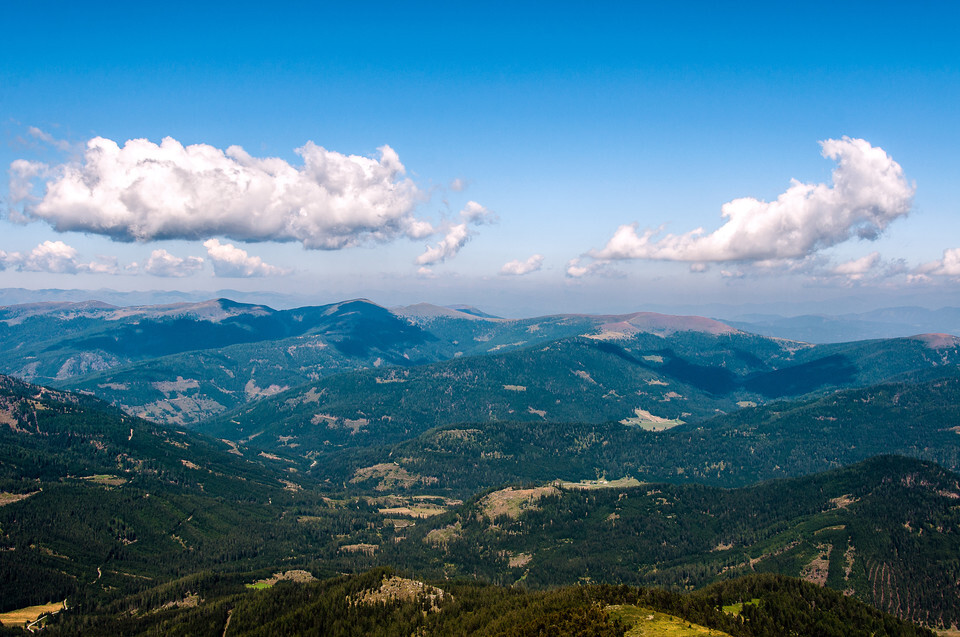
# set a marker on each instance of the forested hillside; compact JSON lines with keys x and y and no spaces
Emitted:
{"x":381,"y":602}
{"x":778,"y":440}
{"x":103,"y":509}
{"x":650,"y":382}
{"x":636,"y":450}
{"x":823,"y":528}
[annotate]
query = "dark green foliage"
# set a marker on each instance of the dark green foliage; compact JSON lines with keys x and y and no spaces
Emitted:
{"x":335,"y":607}
{"x":128,"y":519}
{"x":687,"y":536}
{"x":124,"y":503}
{"x":135,"y":356}
{"x":836,"y":370}
{"x":778,"y":440}
{"x":690,"y":376}
{"x":791,"y":607}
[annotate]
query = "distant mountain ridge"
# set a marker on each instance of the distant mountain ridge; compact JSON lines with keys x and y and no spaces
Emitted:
{"x":183,"y":362}
{"x":884,"y":323}
{"x":187,"y":362}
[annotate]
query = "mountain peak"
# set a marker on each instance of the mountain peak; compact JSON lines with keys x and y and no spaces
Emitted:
{"x":938,"y":341}
{"x":427,"y":311}
{"x":623,"y":325}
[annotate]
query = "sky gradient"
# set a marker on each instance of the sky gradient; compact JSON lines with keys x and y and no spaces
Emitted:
{"x":526,"y":160}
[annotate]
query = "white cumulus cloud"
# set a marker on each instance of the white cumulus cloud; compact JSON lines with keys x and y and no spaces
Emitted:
{"x":58,"y":258}
{"x":518,"y":267}
{"x":162,"y":263}
{"x":868,"y":192}
{"x":231,"y":261}
{"x":143,"y":191}
{"x":949,"y":265}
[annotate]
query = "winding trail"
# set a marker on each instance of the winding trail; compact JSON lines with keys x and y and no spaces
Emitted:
{"x":227,"y":625}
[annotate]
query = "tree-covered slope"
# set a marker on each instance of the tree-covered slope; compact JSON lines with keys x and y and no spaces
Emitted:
{"x":197,"y":368}
{"x":886,"y":531}
{"x":98,"y":502}
{"x":56,"y":342}
{"x":140,"y":526}
{"x":781,"y":439}
{"x":380,"y":602}
{"x":653,"y":382}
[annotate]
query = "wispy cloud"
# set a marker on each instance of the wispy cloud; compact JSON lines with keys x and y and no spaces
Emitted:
{"x":47,"y":138}
{"x":58,"y":258}
{"x":233,"y":262}
{"x":856,"y":269}
{"x":162,"y":263}
{"x":579,"y":267}
{"x":519,"y":268}
{"x":457,"y":235}
{"x":869,"y":191}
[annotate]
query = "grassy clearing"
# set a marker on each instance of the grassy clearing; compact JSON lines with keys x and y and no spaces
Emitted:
{"x":648,"y":422}
{"x":293,"y":576}
{"x":106,"y":480}
{"x":622,"y":483}
{"x":512,"y":502}
{"x":736,"y":609}
{"x":416,"y":511}
{"x":391,"y":476}
{"x":10,"y":498}
{"x":644,"y":622}
{"x":23,"y":616}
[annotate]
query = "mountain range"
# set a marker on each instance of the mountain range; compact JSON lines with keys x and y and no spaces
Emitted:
{"x":157,"y":460}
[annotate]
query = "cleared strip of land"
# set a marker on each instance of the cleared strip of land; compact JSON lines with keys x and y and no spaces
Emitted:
{"x":21,"y":617}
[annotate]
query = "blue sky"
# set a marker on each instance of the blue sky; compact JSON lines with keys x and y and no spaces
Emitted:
{"x":561,"y":126}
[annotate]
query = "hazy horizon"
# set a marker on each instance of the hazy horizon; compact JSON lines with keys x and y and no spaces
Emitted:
{"x":280,"y":301}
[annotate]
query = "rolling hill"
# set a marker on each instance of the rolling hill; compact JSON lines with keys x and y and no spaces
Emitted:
{"x":186,"y":363}
{"x":886,"y":531}
{"x":56,"y":341}
{"x":144,"y":525}
{"x":644,"y":381}
{"x":783,"y":439}
{"x":96,"y":503}
{"x":381,"y":602}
